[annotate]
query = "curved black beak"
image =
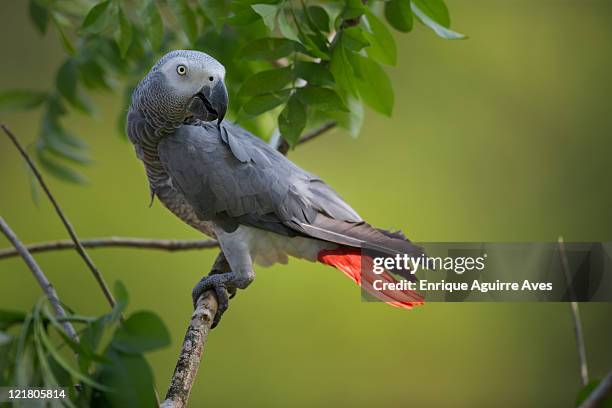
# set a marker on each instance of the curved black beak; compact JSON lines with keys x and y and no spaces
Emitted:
{"x":215,"y":100}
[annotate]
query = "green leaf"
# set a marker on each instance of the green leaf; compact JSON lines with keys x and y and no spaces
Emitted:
{"x":50,"y":125}
{"x":292,"y":120}
{"x":6,"y":357}
{"x":312,"y":47}
{"x":188,"y":20}
{"x":341,"y":66}
{"x":23,"y":353}
{"x":47,"y":375}
{"x":58,"y":170}
{"x":351,"y":120}
{"x":354,"y":38}
{"x":59,"y":17}
{"x":321,"y":98}
{"x":21,"y":99}
{"x":10,"y":317}
{"x":154,"y":26}
{"x":262,"y":103}
{"x":130,"y":377}
{"x":435,"y":10}
{"x":96,"y":338}
{"x":314,"y":73}
{"x":266,"y":81}
{"x":66,"y":42}
{"x":141,"y":332}
{"x":121,"y":295}
{"x":270,"y":48}
{"x":55,"y":107}
{"x":319,"y":17}
{"x":93,"y":75}
{"x":122,"y":299}
{"x":242,"y":15}
{"x":285,"y":27}
{"x":268,"y":14}
{"x":382,"y":44}
{"x":97,"y":19}
{"x":55,"y":145}
{"x":215,"y":11}
{"x":66,"y":81}
{"x":352,"y":9}
{"x":315,"y":45}
{"x":399,"y":15}
{"x":80,"y":348}
{"x":315,"y":40}
{"x":39,"y":14}
{"x":41,"y":334}
{"x":374,"y":85}
{"x":124,"y":38}
{"x":439,"y":29}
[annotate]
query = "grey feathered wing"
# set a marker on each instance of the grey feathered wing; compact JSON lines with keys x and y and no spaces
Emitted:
{"x":232,"y":177}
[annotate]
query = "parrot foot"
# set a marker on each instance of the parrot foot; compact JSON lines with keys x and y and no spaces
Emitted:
{"x":230,"y":291}
{"x":223,"y":284}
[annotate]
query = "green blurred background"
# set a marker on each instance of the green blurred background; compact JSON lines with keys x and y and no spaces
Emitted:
{"x":503,"y":137}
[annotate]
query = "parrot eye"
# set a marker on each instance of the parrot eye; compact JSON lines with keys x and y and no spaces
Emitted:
{"x":181,"y":69}
{"x":211,"y":79}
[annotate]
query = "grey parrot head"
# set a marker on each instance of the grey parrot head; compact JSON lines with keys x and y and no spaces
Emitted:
{"x":183,"y":85}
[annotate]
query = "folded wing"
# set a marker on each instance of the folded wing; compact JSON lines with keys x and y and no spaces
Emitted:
{"x":232,"y":177}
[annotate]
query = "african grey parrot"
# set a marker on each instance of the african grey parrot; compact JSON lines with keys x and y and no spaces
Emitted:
{"x":232,"y":186}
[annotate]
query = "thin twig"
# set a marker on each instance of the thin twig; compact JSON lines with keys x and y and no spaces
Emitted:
{"x":283,"y":146}
{"x":599,"y":394}
{"x":40,"y":277}
{"x":199,"y":327}
{"x":582,"y":358}
{"x":317,"y":132}
{"x":79,"y":247}
{"x":117,"y":242}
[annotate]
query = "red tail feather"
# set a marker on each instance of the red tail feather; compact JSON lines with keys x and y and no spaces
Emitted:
{"x":349,"y":261}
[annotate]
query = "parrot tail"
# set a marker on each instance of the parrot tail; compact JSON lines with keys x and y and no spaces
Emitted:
{"x":360,"y":268}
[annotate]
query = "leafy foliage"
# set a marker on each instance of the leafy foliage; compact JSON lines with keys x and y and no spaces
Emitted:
{"x":105,"y":368}
{"x":291,"y":65}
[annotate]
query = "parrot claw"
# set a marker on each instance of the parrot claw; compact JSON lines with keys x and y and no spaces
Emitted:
{"x":221,"y":284}
{"x":230,"y":290}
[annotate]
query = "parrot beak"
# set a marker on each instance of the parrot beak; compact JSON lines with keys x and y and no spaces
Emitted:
{"x":219,"y":100}
{"x":215,"y":101}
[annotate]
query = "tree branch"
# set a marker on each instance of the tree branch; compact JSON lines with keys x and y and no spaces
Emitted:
{"x":582,"y":358}
{"x":40,"y":277}
{"x":79,"y":247}
{"x":117,"y":242}
{"x":199,"y":327}
{"x":283,"y":146}
{"x":191,"y":352}
{"x":599,"y":394}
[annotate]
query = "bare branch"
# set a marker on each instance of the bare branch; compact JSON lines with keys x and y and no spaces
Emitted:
{"x":40,"y":277}
{"x":116,"y":242}
{"x":599,"y":394}
{"x":582,"y":358}
{"x":191,"y":352}
{"x":79,"y":247}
